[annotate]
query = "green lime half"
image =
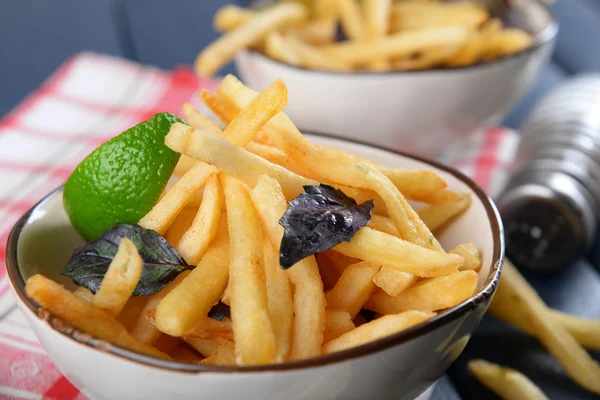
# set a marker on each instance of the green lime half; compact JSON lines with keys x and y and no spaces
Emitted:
{"x":122,"y":179}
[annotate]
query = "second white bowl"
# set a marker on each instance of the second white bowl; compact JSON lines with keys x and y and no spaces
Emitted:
{"x":415,"y":111}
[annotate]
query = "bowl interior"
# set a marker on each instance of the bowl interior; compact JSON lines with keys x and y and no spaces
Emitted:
{"x":48,"y":238}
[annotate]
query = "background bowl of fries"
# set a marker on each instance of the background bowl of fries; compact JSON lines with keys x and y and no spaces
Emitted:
{"x":413,"y":76}
{"x":405,"y":363}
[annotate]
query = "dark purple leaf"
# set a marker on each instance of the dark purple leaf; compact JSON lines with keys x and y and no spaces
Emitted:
{"x":318,"y":219}
{"x":161,"y":262}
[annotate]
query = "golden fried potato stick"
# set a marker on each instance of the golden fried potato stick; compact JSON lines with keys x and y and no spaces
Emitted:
{"x":281,"y":302}
{"x":132,"y":310}
{"x":144,"y":329}
{"x":197,"y":120}
{"x":182,"y":223}
{"x":209,"y":328}
{"x":309,"y":300}
{"x":392,"y":281}
{"x":413,"y":16}
{"x":230,"y":17}
{"x":84,"y":293}
{"x":437,"y":215}
{"x":316,"y":32}
{"x":203,"y":229}
{"x":120,"y":279}
{"x":337,"y":323}
{"x":427,"y":295}
{"x":504,"y":42}
{"x":578,"y":364}
{"x":84,"y":315}
{"x":353,"y":288}
{"x":507,"y":383}
{"x":377,"y":25}
{"x":376,"y":329}
{"x":231,"y":159}
{"x":398,"y":45}
{"x":252,"y":327}
{"x":470,"y":253}
{"x":220,"y":52}
{"x":224,"y":353}
{"x":246,"y":125}
{"x":165,"y":211}
{"x":277,"y":48}
{"x":220,"y":106}
{"x":189,"y":303}
{"x":293,"y":51}
{"x":204,"y":346}
{"x":383,"y":224}
{"x":351,"y":18}
{"x":585,"y":330}
{"x":382,"y":249}
{"x":186,"y":354}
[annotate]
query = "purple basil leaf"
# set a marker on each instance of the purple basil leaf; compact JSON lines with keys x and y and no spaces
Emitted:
{"x":318,"y":219}
{"x":161,"y":262}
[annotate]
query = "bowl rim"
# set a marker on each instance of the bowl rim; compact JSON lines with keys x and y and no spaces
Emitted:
{"x":544,"y":37}
{"x":66,"y":329}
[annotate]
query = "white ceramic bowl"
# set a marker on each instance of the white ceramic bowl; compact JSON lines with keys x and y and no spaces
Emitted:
{"x":401,"y":366}
{"x":416,"y":111}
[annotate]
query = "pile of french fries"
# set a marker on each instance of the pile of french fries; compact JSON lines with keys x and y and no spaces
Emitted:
{"x":380,"y":35}
{"x":221,"y":211}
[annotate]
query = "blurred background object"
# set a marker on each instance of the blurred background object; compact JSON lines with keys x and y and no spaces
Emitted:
{"x":37,"y":36}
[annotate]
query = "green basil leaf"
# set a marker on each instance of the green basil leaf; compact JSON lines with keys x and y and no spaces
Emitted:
{"x":318,"y":219}
{"x":161,"y":262}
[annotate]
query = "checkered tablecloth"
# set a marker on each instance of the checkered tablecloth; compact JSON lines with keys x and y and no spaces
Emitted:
{"x":88,"y":100}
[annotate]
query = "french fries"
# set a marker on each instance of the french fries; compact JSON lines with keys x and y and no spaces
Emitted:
{"x":337,"y":322}
{"x":309,"y":300}
{"x":246,"y":125}
{"x":351,"y":18}
{"x":379,"y":35}
{"x":144,"y":329}
{"x":223,"y":353}
{"x":189,"y":303}
{"x":165,"y":211}
{"x":84,"y":293}
{"x":435,"y":216}
{"x":412,"y":15}
{"x":553,"y":336}
{"x":120,"y":280}
{"x":353,"y":288}
{"x":585,"y":331}
{"x":197,"y":120}
{"x":221,"y":212}
{"x":380,"y":248}
{"x":249,"y":304}
{"x":392,"y":281}
{"x":505,"y":382}
{"x":247,"y":34}
{"x":203,"y":229}
{"x":230,"y":17}
{"x":84,"y":315}
{"x":231,"y":159}
{"x":470,"y":253}
{"x":335,"y":166}
{"x":427,"y":295}
{"x":378,"y":328}
{"x":281,"y":302}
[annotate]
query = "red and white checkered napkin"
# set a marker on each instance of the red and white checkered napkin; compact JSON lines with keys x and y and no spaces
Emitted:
{"x":88,"y":100}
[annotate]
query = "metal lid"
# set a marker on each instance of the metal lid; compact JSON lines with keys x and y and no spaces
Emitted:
{"x":548,"y":217}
